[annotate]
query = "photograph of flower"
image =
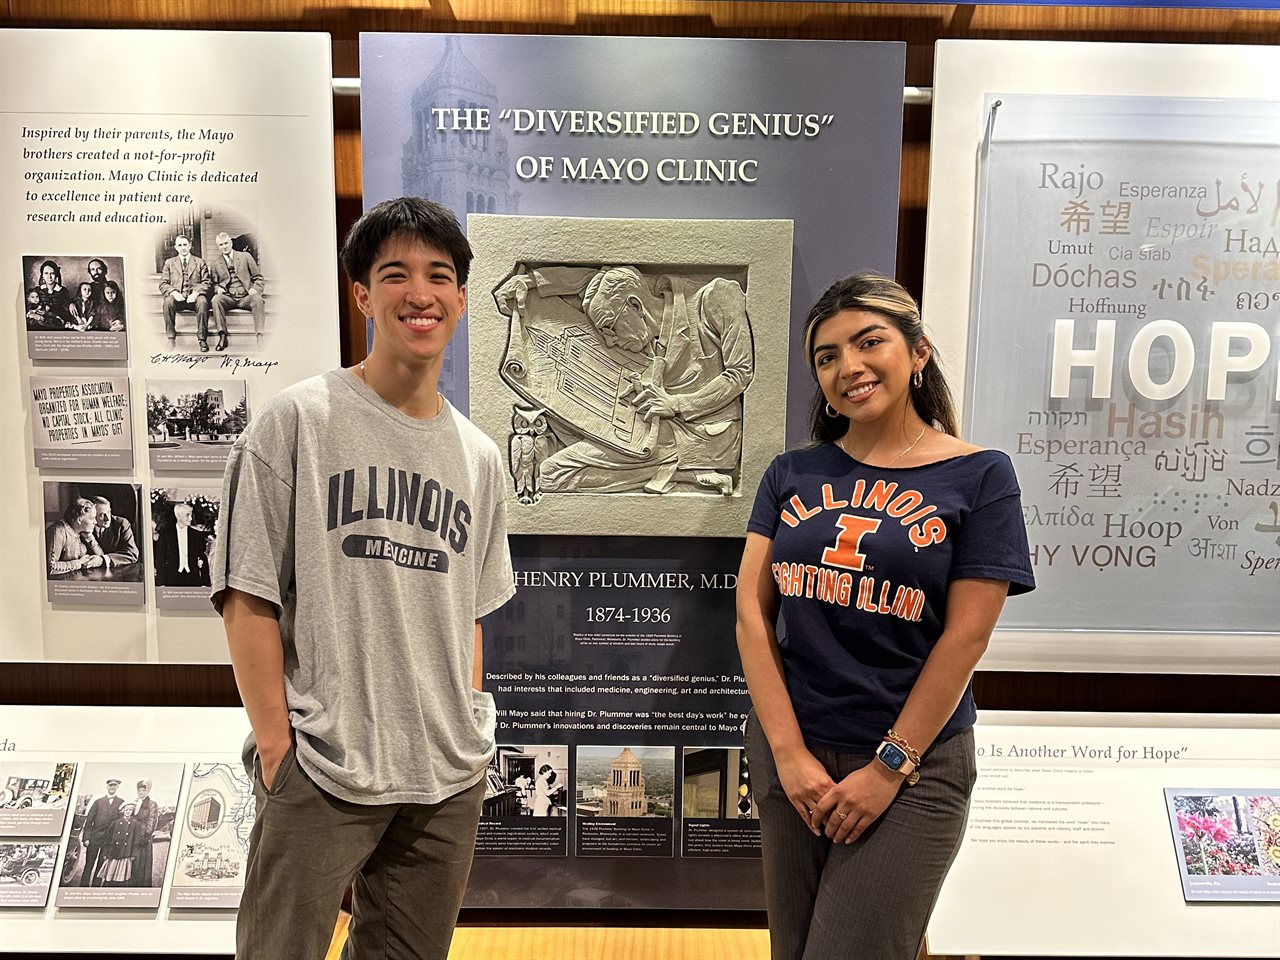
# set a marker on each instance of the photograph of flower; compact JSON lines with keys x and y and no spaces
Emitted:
{"x":1217,"y":836}
{"x":1227,"y":842}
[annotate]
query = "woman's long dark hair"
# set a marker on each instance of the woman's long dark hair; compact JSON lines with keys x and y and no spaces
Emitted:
{"x":867,"y":291}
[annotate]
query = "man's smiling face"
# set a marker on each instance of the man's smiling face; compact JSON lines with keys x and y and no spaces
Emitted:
{"x":414,"y":299}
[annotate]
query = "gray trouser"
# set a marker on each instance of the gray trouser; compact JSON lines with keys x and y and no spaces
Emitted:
{"x":251,"y":301}
{"x":871,"y":899}
{"x":409,"y":863}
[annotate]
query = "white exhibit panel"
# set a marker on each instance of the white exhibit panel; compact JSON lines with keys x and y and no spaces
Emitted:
{"x":166,"y":877}
{"x":167,"y":267}
{"x":1143,"y":835}
{"x":1102,"y":276}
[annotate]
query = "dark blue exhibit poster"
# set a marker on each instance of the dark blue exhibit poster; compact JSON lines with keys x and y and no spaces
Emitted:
{"x":642,"y":127}
{"x":620,"y":706}
{"x":721,"y":186}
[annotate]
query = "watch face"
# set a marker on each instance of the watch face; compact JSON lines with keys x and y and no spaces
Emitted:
{"x":892,"y":755}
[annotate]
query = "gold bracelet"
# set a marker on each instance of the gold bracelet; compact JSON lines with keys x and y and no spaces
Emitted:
{"x":898,"y":740}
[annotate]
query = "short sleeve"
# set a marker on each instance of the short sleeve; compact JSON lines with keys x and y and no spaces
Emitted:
{"x":992,"y":541}
{"x":767,"y":509}
{"x":254,"y":548}
{"x":495,"y":580}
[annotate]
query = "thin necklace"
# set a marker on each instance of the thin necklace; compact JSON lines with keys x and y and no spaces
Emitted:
{"x":440,"y":396}
{"x":905,"y":450}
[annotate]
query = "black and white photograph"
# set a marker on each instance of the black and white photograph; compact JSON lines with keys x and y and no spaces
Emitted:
{"x":82,"y":422}
{"x":191,"y":424}
{"x":183,"y":521}
{"x":33,"y":797}
{"x":210,"y":281}
{"x":120,"y":835}
{"x":213,"y":840}
{"x":528,"y":781}
{"x":74,"y":307}
{"x":91,"y":549}
{"x":719,"y":818}
{"x":526,"y":801}
{"x":26,"y":873}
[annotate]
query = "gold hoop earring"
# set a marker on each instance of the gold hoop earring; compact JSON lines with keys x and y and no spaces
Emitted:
{"x":918,"y":379}
{"x":831,"y":411}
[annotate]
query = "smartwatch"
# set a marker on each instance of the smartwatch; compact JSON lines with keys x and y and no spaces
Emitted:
{"x":896,"y":759}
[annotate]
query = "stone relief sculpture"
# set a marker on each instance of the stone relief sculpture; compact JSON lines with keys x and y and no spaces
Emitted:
{"x":631,"y":380}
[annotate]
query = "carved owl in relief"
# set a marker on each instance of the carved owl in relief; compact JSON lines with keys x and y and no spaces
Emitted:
{"x":527,"y":448}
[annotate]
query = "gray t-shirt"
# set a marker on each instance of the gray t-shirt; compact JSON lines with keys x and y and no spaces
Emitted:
{"x":381,"y":539}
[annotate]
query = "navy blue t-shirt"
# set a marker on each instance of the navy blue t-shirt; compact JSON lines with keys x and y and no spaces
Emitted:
{"x":863,"y":557}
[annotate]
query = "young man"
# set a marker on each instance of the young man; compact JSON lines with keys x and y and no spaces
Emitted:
{"x":362,"y":538}
{"x":185,"y":285}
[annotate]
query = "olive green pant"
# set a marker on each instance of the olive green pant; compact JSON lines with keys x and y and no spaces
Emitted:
{"x":408,"y":863}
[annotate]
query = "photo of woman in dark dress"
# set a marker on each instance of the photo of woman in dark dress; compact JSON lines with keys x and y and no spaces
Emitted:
{"x":80,"y":312}
{"x":108,"y":313}
{"x":55,"y":299}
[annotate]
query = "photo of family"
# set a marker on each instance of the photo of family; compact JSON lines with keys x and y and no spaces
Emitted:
{"x":210,"y":281}
{"x":91,"y":548}
{"x":74,"y":307}
{"x":120,"y":834}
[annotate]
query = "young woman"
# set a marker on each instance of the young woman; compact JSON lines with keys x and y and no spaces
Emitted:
{"x":108,"y":313}
{"x":54,"y":297}
{"x":888,"y":546}
{"x":80,"y":312}
{"x":544,"y":790}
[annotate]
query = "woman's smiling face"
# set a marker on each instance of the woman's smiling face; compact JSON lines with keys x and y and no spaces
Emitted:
{"x":864,"y":365}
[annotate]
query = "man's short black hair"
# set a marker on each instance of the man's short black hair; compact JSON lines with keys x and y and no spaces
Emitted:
{"x":411,"y":218}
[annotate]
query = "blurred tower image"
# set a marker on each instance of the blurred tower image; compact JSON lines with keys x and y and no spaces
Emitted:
{"x":466,"y":170}
{"x":624,"y":796}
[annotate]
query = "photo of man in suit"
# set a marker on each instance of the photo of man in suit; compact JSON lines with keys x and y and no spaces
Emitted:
{"x":182,"y":551}
{"x":238,"y":284}
{"x":185,"y":284}
{"x":95,"y":832}
{"x":114,"y":535}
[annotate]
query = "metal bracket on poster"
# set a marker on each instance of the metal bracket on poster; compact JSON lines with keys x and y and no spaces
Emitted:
{"x":1110,"y":312}
{"x":911,"y":96}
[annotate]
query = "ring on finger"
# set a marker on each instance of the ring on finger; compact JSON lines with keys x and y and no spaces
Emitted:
{"x":842,"y":816}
